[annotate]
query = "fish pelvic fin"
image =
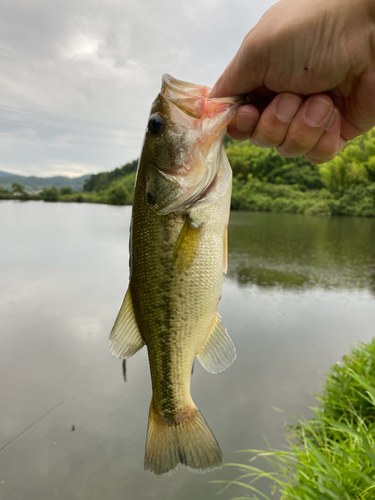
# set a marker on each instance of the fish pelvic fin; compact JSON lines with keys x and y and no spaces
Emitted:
{"x":186,"y":441}
{"x":125,"y":338}
{"x":218,"y":351}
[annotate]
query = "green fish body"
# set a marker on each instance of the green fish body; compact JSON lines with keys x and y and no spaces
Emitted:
{"x":178,"y":253}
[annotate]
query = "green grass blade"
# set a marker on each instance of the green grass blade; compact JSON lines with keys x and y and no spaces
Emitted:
{"x":369,"y":452}
{"x":345,"y":428}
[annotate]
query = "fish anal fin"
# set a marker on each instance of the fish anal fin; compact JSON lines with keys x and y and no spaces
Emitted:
{"x":187,"y":244}
{"x":218,"y":352}
{"x":187,"y":441}
{"x":125,"y":338}
{"x":225,"y":250}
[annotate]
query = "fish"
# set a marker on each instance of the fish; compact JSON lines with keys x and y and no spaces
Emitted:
{"x":178,"y":253}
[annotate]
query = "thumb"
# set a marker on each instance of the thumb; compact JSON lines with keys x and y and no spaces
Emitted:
{"x":244,"y":73}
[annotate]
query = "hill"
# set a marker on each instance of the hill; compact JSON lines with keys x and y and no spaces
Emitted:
{"x":34,"y":183}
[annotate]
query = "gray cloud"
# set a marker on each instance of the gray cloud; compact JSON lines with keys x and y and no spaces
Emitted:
{"x":78,"y":77}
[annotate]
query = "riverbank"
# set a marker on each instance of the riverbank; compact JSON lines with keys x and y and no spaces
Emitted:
{"x":253,"y":195}
{"x":258,"y":196}
{"x":330,"y":456}
{"x":263,"y":181}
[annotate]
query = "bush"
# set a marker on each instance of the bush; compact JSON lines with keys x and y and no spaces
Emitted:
{"x":118,"y":195}
{"x":50,"y":194}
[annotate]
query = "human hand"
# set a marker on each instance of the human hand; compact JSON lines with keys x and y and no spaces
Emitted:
{"x":309,"y":69}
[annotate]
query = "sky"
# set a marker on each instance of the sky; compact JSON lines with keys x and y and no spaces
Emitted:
{"x":78,"y":77}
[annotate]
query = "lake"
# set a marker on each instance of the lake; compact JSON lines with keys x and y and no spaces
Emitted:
{"x":299,"y":291}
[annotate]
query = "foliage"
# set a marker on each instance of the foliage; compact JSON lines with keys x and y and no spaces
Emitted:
{"x":102,"y":181}
{"x":265,"y":181}
{"x":355,"y":165}
{"x":118,"y":195}
{"x":348,"y":387}
{"x":120,"y":191}
{"x":267,"y":165}
{"x":331,"y":456}
{"x":18,"y":191}
{"x":259,"y":196}
{"x":50,"y":194}
{"x":5,"y":194}
{"x":18,"y":188}
{"x":262,"y":181}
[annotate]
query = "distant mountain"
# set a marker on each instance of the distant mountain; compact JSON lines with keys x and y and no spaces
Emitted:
{"x":33,"y":183}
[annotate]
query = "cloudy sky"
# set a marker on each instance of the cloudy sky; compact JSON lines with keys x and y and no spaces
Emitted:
{"x":78,"y":77}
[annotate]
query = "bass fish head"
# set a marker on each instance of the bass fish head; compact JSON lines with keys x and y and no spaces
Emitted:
{"x":181,"y":153}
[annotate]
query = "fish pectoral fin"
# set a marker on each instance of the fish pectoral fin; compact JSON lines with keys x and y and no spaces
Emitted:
{"x":186,"y":245}
{"x":125,"y":338}
{"x":218,"y":352}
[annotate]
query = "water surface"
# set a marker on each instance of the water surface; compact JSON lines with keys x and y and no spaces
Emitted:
{"x":299,"y":291}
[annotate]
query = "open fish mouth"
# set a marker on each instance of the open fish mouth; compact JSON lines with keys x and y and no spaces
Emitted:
{"x":198,"y":125}
{"x":193,"y":100}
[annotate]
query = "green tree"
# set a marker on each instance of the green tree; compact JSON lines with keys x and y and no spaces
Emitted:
{"x":102,"y":181}
{"x":118,"y":195}
{"x":354,"y":166}
{"x":50,"y":194}
{"x":66,"y":190}
{"x":251,"y":162}
{"x":18,"y":188}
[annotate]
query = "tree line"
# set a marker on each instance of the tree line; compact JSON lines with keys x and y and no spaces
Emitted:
{"x":262,"y":181}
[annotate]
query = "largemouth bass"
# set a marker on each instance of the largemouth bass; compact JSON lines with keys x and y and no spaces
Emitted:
{"x":178,"y":252}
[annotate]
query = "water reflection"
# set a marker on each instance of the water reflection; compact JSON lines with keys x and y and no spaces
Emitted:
{"x":295,"y":298}
{"x":298,"y":252}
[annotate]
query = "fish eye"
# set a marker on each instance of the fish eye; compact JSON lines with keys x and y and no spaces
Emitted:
{"x":156,"y":124}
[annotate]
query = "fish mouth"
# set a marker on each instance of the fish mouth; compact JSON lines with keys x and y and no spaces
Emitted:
{"x":202,"y":123}
{"x":194,"y":99}
{"x":188,"y":89}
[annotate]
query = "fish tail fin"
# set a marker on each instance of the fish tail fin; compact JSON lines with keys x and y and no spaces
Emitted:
{"x":187,"y":441}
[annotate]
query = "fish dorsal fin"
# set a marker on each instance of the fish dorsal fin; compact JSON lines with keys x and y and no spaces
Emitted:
{"x":218,"y":352}
{"x":187,"y":244}
{"x":125,"y":339}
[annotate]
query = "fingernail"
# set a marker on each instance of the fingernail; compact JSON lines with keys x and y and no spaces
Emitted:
{"x":332,"y":120}
{"x":244,"y":122}
{"x":317,"y":111}
{"x":287,"y":107}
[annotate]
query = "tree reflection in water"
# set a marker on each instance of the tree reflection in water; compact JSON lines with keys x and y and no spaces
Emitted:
{"x":298,"y":252}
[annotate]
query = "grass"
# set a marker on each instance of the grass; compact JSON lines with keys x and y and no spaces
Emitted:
{"x":331,"y":456}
